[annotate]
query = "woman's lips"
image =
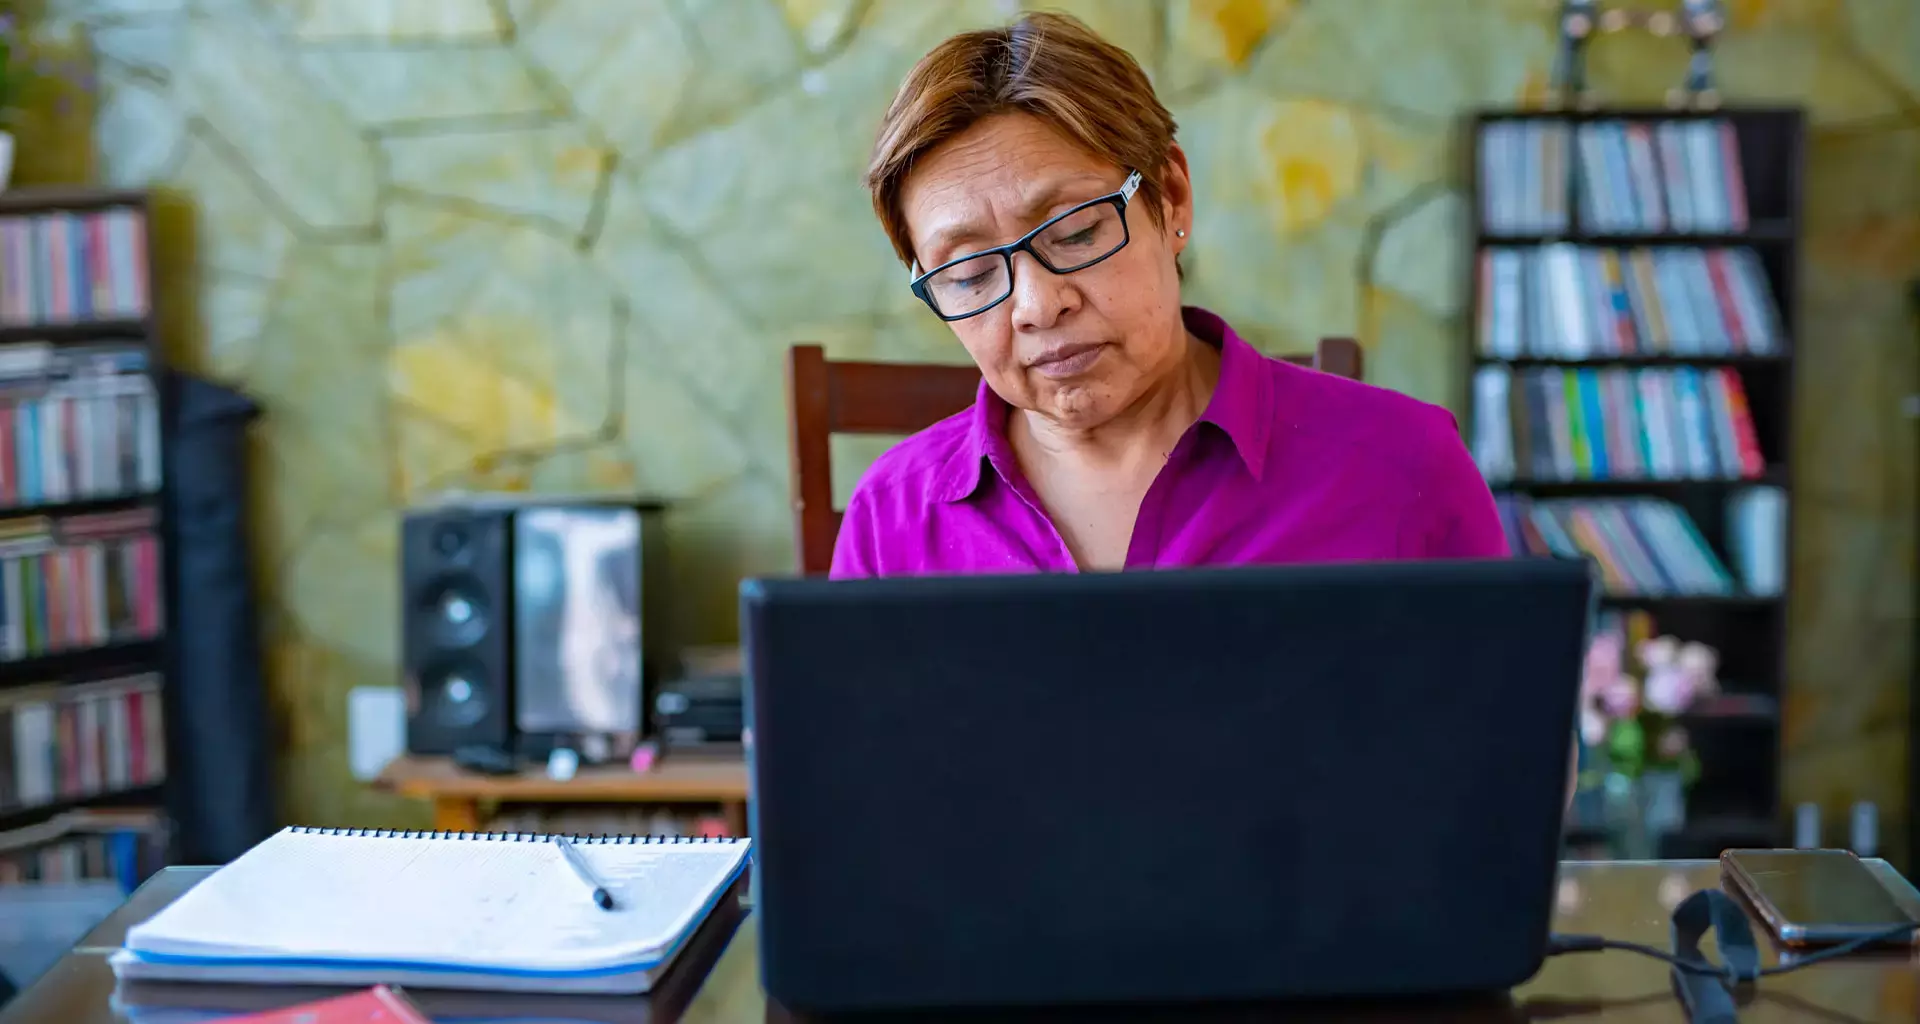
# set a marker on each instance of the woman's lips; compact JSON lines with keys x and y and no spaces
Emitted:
{"x":1069,"y":360}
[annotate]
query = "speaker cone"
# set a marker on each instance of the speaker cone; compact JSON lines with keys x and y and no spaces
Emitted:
{"x":456,"y":695}
{"x":455,"y":613}
{"x":450,"y":540}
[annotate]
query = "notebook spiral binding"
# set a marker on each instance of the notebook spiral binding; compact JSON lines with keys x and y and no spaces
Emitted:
{"x":510,"y":837}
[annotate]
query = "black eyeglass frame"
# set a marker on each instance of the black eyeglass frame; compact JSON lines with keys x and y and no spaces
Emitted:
{"x":1120,"y":200}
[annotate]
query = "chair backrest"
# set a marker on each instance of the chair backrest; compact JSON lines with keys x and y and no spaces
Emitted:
{"x":825,"y":397}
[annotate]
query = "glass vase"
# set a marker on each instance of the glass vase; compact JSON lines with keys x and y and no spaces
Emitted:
{"x":1642,"y":810}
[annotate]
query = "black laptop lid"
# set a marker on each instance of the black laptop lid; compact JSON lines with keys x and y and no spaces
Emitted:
{"x":1197,"y":784}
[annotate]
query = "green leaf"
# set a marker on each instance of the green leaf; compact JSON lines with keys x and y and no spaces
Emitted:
{"x":1627,"y":747}
{"x":1689,"y":767}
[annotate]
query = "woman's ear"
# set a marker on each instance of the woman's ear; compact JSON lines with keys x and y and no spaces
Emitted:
{"x":1176,"y":198}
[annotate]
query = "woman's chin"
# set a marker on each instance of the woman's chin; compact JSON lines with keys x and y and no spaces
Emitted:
{"x":1081,"y":403}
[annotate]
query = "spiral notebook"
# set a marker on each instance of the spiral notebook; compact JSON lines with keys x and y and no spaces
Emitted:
{"x":462,"y":910}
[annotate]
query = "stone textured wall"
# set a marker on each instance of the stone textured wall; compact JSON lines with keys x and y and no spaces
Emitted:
{"x":562,"y":244}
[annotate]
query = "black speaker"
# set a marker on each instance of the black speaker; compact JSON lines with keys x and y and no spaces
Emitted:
{"x":530,"y":623}
{"x":456,"y":628}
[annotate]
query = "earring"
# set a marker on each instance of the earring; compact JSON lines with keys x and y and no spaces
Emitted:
{"x":1179,"y":232}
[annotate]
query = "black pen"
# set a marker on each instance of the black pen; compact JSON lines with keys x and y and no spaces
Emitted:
{"x":601,"y":894}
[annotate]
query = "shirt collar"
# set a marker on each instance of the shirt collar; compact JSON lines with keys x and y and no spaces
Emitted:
{"x":1240,"y":408}
{"x":1242,"y":402}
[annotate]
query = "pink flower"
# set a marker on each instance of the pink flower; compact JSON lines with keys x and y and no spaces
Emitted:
{"x":1620,"y":698}
{"x":1701,"y":664}
{"x":1659,"y":652}
{"x":1670,"y":690}
{"x":1602,"y":666}
{"x":1600,"y":678}
{"x":1604,"y":654}
{"x":1673,"y":743}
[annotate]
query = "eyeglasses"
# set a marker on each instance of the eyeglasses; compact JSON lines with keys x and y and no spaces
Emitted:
{"x":1075,"y":240}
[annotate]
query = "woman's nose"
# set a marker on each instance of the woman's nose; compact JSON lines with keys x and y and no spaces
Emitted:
{"x":1040,"y":296}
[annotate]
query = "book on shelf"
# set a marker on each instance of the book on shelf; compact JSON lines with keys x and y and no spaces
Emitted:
{"x":1643,"y":547}
{"x":65,"y":742}
{"x":76,"y":582}
{"x":1756,"y":538}
{"x":1616,"y":176}
{"x":77,"y":423}
{"x":73,"y":266}
{"x":1564,"y":301}
{"x":1586,"y":423}
{"x":1523,"y":177}
{"x":120,"y":846}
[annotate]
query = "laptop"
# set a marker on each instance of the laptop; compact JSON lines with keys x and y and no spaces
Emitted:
{"x":1286,"y":782}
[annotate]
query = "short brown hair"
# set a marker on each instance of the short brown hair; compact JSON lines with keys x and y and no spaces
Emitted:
{"x":1048,"y":65}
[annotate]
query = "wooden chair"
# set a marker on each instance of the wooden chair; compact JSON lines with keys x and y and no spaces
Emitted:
{"x":825,"y":397}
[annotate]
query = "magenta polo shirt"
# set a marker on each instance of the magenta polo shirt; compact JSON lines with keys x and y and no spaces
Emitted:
{"x":1287,"y":464}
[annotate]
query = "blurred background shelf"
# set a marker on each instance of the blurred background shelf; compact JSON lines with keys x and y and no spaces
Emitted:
{"x":1569,"y":350}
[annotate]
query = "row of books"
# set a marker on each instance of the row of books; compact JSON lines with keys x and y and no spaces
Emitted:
{"x":121,"y":846}
{"x":78,"y":582}
{"x":1617,"y":177}
{"x":76,"y":423}
{"x":1564,"y":301}
{"x":79,"y":859}
{"x":1654,"y":423}
{"x":1644,"y":547}
{"x":64,"y":266}
{"x":62,"y":742}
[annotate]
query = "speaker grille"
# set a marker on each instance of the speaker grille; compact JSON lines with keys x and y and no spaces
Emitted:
{"x":456,"y":640}
{"x":457,"y":612}
{"x":456,"y":694}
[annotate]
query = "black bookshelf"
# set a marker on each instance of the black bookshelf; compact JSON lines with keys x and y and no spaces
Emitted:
{"x":1736,"y":800}
{"x":70,"y":668}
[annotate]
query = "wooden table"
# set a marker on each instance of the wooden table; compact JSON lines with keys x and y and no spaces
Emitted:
{"x":1622,"y":901}
{"x":459,"y":797}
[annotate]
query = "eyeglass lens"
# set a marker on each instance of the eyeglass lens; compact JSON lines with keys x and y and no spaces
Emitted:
{"x":1079,"y":239}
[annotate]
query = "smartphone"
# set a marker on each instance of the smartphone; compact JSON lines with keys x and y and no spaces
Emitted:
{"x":1813,"y":897}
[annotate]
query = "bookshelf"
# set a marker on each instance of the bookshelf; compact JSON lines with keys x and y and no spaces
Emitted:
{"x":84,"y":654}
{"x":1631,"y":298}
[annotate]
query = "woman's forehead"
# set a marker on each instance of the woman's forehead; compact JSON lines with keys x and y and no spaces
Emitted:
{"x":1016,"y":152}
{"x":1009,"y":167}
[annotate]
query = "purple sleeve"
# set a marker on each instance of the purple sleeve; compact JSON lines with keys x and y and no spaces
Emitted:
{"x":853,"y":550}
{"x":1462,"y":521}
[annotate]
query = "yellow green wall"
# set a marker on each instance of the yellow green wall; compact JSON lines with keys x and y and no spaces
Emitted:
{"x":562,"y":244}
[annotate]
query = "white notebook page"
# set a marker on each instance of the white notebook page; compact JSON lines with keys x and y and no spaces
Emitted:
{"x":483,"y":903}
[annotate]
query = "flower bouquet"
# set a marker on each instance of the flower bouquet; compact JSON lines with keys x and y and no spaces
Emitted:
{"x":1633,"y":723}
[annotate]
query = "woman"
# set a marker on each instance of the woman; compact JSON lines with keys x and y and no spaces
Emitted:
{"x":1029,"y":179}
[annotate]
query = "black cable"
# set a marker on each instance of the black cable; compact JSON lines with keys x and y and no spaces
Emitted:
{"x":1835,"y":952}
{"x":1560,"y":945}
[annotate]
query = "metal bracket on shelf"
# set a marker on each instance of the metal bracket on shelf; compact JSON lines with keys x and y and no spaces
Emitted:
{"x":1703,"y":22}
{"x":1699,"y":21}
{"x":1569,"y":82}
